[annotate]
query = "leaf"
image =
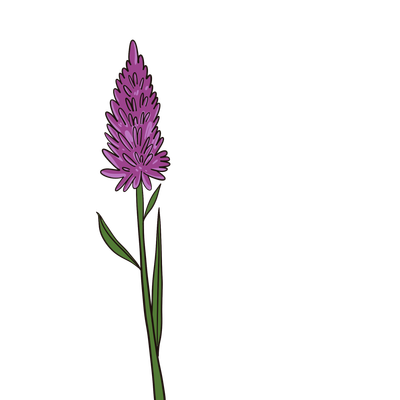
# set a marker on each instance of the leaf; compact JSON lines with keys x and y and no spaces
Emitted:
{"x":157,"y":287}
{"x":152,"y":201}
{"x":113,"y":243}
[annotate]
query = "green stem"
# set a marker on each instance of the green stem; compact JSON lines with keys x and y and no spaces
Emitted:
{"x":158,"y":385}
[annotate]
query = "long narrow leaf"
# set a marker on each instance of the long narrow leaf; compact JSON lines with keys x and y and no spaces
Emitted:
{"x":159,"y":308}
{"x":158,"y":276}
{"x":155,"y":288}
{"x":152,"y":201}
{"x":113,"y":243}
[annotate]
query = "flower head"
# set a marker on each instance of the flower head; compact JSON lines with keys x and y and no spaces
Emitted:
{"x":134,"y":139}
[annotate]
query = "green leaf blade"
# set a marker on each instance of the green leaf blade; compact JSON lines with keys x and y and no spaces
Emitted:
{"x":157,"y":288}
{"x":154,"y":295}
{"x":160,"y":266}
{"x":152,"y":201}
{"x":112,"y":242}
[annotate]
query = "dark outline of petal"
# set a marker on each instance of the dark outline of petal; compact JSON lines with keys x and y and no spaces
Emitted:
{"x":148,"y":159}
{"x":122,"y":182}
{"x":114,"y":108}
{"x":129,"y":182}
{"x":135,"y":136}
{"x":129,"y":160}
{"x":113,"y":158}
{"x":140,"y":136}
{"x":125,"y":142}
{"x":113,"y":122}
{"x":113,"y":132}
{"x":137,"y":157}
{"x":111,"y":139}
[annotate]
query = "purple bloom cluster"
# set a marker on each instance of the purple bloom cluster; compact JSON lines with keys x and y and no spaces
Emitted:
{"x":134,"y":139}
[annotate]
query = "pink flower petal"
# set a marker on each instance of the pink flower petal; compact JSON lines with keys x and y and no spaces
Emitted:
{"x":125,"y":142}
{"x":114,"y":160}
{"x":114,"y":123}
{"x":129,"y":182}
{"x":136,"y":181}
{"x":148,"y":159}
{"x":112,"y":131}
{"x":122,"y":182}
{"x":135,"y":137}
{"x":133,"y":53}
{"x":148,"y":130}
{"x":112,"y":173}
{"x":114,"y":107}
{"x":128,"y":135}
{"x":160,"y":166}
{"x":129,"y":160}
{"x":155,"y":175}
{"x":157,"y":144}
{"x":111,"y":139}
{"x":146,"y":181}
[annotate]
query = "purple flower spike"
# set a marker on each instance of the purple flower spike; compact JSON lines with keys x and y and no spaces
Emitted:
{"x":134,"y":139}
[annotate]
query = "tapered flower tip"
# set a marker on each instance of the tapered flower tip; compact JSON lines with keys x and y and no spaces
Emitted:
{"x":133,"y":53}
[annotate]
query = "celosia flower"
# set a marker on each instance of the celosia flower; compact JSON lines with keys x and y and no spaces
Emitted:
{"x":134,"y":139}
